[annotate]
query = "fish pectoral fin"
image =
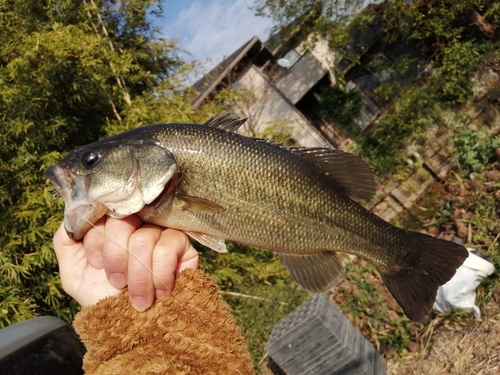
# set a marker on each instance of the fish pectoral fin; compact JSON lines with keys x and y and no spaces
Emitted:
{"x":199,"y":204}
{"x":316,"y":273}
{"x":214,"y":243}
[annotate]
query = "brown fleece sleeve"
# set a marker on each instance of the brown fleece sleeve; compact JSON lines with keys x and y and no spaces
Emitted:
{"x":188,"y":332}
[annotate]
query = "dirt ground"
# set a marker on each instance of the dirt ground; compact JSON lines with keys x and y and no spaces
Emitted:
{"x":444,"y":348}
{"x":449,"y":344}
{"x":458,"y":345}
{"x":461,"y":346}
{"x":467,"y":346}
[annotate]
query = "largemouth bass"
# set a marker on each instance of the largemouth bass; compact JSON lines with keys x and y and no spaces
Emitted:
{"x":217,"y":185}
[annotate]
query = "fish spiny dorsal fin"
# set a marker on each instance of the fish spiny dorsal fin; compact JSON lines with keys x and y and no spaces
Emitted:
{"x":348,"y":170}
{"x":225,"y":122}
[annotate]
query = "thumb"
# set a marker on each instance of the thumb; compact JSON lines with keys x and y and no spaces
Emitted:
{"x":70,"y":255}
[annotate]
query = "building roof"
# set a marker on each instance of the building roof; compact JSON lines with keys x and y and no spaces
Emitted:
{"x":288,"y":34}
{"x":205,"y":85}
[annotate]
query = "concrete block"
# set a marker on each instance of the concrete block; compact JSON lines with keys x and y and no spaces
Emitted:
{"x":317,"y":338}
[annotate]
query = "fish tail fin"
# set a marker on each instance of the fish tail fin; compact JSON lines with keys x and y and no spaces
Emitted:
{"x":430,"y":264}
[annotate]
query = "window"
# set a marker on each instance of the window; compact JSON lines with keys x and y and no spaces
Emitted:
{"x":368,"y":110}
{"x":289,"y":60}
{"x":375,"y":73}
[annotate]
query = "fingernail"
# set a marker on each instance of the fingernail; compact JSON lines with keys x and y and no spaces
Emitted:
{"x":118,"y":280}
{"x":139,"y":303}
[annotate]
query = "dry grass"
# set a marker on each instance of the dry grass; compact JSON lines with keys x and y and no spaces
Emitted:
{"x":463,"y":348}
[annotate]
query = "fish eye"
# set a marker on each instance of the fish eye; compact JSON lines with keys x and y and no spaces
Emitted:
{"x":90,"y":158}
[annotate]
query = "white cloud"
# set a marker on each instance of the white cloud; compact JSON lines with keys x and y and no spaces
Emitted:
{"x":215,"y":29}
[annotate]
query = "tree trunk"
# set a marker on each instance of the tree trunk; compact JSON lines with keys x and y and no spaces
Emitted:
{"x":486,"y":28}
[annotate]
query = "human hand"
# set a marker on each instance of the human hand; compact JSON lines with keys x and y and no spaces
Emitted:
{"x":99,"y":266}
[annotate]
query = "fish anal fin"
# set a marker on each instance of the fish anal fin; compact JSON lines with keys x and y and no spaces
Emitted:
{"x":348,"y":170}
{"x":316,"y":273}
{"x":432,"y":263}
{"x":199,"y":204}
{"x":214,"y":243}
{"x":225,"y":122}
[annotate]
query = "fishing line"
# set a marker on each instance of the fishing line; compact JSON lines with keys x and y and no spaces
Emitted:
{"x":116,"y":241}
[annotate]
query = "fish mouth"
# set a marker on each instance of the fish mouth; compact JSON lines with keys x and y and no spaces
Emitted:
{"x":80,"y":211}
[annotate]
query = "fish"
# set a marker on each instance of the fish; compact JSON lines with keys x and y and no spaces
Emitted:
{"x":217,"y":185}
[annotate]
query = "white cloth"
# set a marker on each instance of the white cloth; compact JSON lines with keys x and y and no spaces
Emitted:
{"x":460,"y":291}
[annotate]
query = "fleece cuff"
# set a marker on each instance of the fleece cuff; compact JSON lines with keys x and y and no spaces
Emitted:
{"x":190,"y":331}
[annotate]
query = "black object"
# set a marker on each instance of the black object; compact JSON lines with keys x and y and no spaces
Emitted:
{"x":43,"y":345}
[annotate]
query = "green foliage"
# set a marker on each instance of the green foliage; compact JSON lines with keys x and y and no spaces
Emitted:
{"x":278,"y":132}
{"x":420,"y":105}
{"x":70,"y":73}
{"x":285,"y":12}
{"x":296,"y":19}
{"x":452,"y":81}
{"x":363,"y":298}
{"x":258,"y":289}
{"x":401,"y":74}
{"x":474,"y":149}
{"x":458,"y":51}
{"x":410,"y":114}
{"x":438,"y":22}
{"x":474,"y":197}
{"x":458,"y":42}
{"x":457,"y":35}
{"x":68,"y":79}
{"x":460,"y":39}
{"x":341,"y":105}
{"x":350,"y":36}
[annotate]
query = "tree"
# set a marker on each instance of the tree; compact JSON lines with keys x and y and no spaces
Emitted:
{"x":286,"y":12}
{"x":441,"y":20}
{"x":459,"y":38}
{"x":70,"y":73}
{"x":460,"y":47}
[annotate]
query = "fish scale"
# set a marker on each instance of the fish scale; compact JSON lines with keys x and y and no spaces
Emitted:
{"x":301,"y":192}
{"x":217,"y":185}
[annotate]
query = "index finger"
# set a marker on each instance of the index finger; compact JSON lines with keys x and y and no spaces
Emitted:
{"x":115,"y":248}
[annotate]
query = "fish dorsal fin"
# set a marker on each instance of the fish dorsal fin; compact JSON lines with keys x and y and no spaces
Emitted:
{"x":211,"y":242}
{"x":316,"y":273}
{"x":348,"y":170}
{"x":225,"y":122}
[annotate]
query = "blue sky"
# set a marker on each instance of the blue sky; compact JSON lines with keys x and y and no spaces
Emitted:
{"x":212,"y":29}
